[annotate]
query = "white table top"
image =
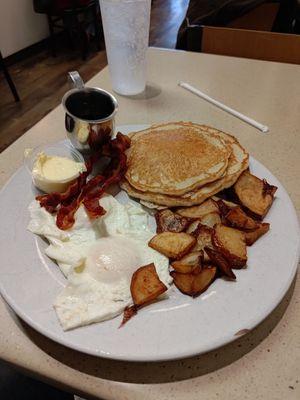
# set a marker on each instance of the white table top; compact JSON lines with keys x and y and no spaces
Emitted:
{"x":263,"y":364}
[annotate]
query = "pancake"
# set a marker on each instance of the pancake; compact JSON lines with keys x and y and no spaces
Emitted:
{"x":239,"y":158}
{"x":190,"y":199}
{"x":173,"y":159}
{"x":238,"y":162}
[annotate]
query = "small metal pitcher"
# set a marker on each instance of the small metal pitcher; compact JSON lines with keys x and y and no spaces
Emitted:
{"x":90,"y":115}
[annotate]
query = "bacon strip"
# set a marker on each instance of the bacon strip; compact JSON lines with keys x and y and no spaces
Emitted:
{"x":93,"y":208}
{"x":52,"y":200}
{"x":65,"y":216}
{"x":96,"y":187}
{"x":89,"y":192}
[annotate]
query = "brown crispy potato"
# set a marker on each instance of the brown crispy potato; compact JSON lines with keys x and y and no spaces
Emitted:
{"x":227,"y":203}
{"x":194,"y":284}
{"x":231,"y":243}
{"x":223,"y":208}
{"x":211,"y":219}
{"x":145,"y":285}
{"x":193,"y":227}
{"x":203,"y":235}
{"x":191,"y":263}
{"x":128,"y":313}
{"x":173,"y":245}
{"x":196,"y":212}
{"x":183,"y":282}
{"x":237,"y":218}
{"x":203,"y":280}
{"x":220,"y":261}
{"x":255,"y":195}
{"x":252,"y":236}
{"x":167,"y":221}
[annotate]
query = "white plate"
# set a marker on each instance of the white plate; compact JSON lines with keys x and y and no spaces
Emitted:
{"x":174,"y":328}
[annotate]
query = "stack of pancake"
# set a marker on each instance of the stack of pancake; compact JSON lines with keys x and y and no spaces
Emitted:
{"x":181,"y":164}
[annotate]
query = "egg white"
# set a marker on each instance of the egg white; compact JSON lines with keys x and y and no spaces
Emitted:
{"x":98,"y":258}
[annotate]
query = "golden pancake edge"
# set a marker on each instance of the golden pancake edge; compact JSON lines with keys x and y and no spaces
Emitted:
{"x":237,"y":162}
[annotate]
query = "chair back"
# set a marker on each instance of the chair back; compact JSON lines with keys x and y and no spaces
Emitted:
{"x":262,"y":45}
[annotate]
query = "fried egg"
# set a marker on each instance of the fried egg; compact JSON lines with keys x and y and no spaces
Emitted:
{"x":98,"y":258}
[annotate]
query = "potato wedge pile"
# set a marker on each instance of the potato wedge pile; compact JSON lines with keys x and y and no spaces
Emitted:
{"x":204,"y":242}
{"x":210,"y":240}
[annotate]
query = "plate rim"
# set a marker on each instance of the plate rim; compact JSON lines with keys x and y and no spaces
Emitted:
{"x":222,"y":340}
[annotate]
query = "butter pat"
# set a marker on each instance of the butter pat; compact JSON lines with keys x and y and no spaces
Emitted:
{"x":54,"y":173}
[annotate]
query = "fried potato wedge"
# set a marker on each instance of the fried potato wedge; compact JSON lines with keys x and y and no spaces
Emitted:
{"x":255,"y":195}
{"x":145,"y":285}
{"x":167,"y":221}
{"x":220,"y":261}
{"x":228,"y":203}
{"x":237,"y":218}
{"x":223,"y":208}
{"x":128,"y":313}
{"x":193,"y":227}
{"x":195,"y":212}
{"x":191,"y":263}
{"x":203,"y":235}
{"x":173,"y":245}
{"x":203,"y":280}
{"x":231,"y":243}
{"x":252,"y":236}
{"x":211,"y":219}
{"x":194,"y":284}
{"x":183,"y":282}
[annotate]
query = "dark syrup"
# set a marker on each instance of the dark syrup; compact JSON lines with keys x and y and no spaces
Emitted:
{"x":91,"y":105}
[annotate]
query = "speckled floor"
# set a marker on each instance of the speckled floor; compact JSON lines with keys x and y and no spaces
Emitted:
{"x":16,"y":386}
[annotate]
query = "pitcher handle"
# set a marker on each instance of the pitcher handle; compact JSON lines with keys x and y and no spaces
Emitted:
{"x":75,"y":80}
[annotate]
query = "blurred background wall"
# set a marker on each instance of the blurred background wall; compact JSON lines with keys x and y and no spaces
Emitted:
{"x":20,"y":26}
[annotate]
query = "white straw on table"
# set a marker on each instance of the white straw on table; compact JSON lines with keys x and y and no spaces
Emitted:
{"x":187,"y":86}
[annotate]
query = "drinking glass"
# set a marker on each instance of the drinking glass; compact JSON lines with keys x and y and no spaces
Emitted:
{"x":126,"y":32}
